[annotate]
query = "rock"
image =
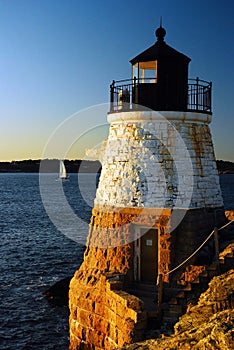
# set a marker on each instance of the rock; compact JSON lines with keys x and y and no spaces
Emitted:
{"x":208,"y":325}
{"x":57,"y":294}
{"x":229,"y":214}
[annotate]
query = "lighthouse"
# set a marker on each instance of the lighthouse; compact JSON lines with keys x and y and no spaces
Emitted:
{"x":157,"y":200}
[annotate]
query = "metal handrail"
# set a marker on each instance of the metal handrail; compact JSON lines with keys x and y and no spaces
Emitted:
{"x":200,"y":81}
{"x":198,"y":93}
{"x":134,"y":80}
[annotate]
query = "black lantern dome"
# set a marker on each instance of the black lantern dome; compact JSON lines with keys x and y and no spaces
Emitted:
{"x":168,"y":69}
{"x":160,"y":33}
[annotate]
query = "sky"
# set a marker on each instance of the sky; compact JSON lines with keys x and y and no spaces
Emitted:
{"x":58,"y":57}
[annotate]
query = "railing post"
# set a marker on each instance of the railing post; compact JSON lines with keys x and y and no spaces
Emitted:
{"x":136,"y":90}
{"x":210,"y":96}
{"x":112,"y":95}
{"x":188,"y":96}
{"x":216,"y":243}
{"x":160,"y":295}
{"x":134,"y":79}
{"x":197,"y":91}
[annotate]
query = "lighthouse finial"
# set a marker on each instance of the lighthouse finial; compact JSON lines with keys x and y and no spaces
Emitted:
{"x":160,"y":32}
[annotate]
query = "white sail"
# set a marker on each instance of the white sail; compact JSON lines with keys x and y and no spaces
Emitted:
{"x":62,"y":170}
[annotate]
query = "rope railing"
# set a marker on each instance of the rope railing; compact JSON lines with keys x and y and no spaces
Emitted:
{"x":197,"y":250}
{"x":160,"y":276}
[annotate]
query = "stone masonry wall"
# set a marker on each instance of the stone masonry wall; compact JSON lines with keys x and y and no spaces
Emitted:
{"x":159,"y":163}
{"x":112,"y":232}
{"x":102,"y":317}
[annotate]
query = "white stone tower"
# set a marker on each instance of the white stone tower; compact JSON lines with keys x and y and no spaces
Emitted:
{"x":159,"y":195}
{"x":160,"y":156}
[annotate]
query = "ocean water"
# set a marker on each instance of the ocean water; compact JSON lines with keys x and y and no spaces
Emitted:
{"x":227,"y":187}
{"x":34,"y":254}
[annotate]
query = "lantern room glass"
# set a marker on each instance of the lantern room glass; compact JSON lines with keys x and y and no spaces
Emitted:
{"x":145,"y":72}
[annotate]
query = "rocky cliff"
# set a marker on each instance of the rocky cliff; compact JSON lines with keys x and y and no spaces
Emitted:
{"x":207,"y":325}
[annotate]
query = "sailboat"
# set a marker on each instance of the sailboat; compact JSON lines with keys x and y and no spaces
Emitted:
{"x":62,"y":171}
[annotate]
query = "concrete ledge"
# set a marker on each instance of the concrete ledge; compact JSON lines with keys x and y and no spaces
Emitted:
{"x":136,"y":116}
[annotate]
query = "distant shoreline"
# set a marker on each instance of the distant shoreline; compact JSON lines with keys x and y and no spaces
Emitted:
{"x":77,"y":166}
{"x":225,"y":167}
{"x":50,"y":166}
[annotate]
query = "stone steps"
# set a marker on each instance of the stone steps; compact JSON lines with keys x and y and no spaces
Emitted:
{"x":178,"y":304}
{"x":148,"y":293}
{"x":151,"y":291}
{"x":151,"y":287}
{"x":175,"y":300}
{"x":143,"y":290}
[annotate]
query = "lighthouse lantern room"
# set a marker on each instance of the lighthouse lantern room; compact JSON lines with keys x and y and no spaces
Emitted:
{"x":160,"y":82}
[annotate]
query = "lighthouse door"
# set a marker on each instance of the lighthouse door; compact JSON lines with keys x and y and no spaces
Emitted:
{"x":148,"y":259}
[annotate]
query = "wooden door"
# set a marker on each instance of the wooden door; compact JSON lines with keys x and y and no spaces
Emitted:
{"x":148,"y":262}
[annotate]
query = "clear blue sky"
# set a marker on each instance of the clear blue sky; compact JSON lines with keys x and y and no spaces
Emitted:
{"x":59,"y":56}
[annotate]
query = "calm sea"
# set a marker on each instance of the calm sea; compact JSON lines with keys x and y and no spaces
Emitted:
{"x":35,"y":254}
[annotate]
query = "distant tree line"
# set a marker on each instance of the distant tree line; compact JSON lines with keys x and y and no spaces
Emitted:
{"x":225,"y":167}
{"x":50,"y":166}
{"x":75,"y":166}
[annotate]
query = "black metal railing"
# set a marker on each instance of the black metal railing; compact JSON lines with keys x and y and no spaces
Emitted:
{"x":124,"y":94}
{"x":121,"y":94}
{"x":199,"y":95}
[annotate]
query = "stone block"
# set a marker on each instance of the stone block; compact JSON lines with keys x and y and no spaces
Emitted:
{"x":111,"y":302}
{"x":101,"y":309}
{"x":134,"y":303}
{"x":87,"y":304}
{"x":121,"y":309}
{"x":77,"y":328}
{"x":75,"y":343}
{"x":85,"y":318}
{"x":113,"y":332}
{"x":124,"y":338}
{"x":94,"y":337}
{"x":110,"y":315}
{"x":109,"y":343}
{"x":101,"y":324}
